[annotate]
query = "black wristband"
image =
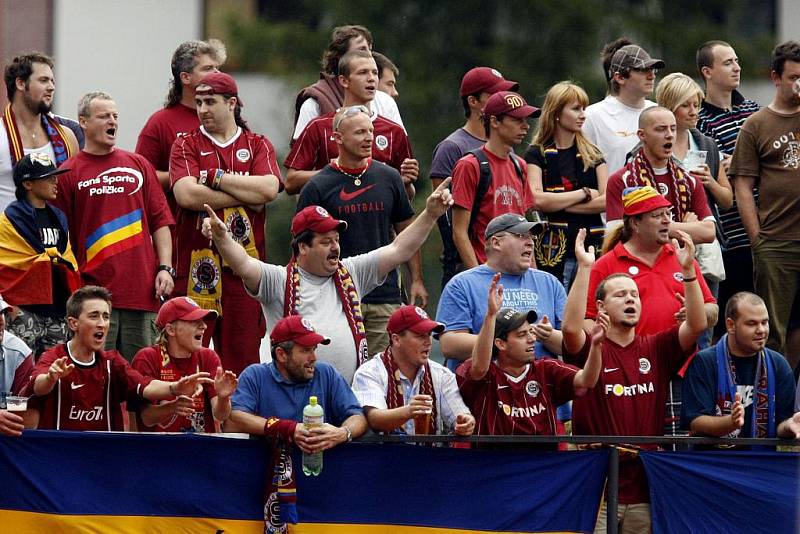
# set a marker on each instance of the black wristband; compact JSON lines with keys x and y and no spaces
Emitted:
{"x":170,"y":270}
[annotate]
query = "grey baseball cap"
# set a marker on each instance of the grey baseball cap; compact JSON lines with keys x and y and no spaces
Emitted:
{"x":510,"y":222}
{"x":633,"y":57}
{"x":509,"y":319}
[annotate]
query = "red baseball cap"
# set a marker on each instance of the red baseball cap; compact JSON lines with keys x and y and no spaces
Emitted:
{"x":509,"y":103}
{"x":412,"y":318}
{"x":181,"y":309}
{"x":317,"y":219}
{"x":298,"y":329}
{"x":219,"y":84}
{"x":485,"y":80}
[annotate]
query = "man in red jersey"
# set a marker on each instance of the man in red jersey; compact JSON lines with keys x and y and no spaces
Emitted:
{"x":505,"y":122}
{"x":79,"y":386}
{"x":180,"y":353}
{"x":119,"y":225}
{"x":629,"y":397}
{"x":191,"y":61}
{"x":509,"y":391}
{"x":233,"y":170}
{"x":316,"y":146}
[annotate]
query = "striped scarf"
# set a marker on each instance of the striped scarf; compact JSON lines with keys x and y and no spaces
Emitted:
{"x":394,"y":393}
{"x":640,"y":173}
{"x":348,"y":295}
{"x":55,"y":132}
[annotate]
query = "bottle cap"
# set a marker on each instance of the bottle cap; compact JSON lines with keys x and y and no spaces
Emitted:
{"x":312,"y":400}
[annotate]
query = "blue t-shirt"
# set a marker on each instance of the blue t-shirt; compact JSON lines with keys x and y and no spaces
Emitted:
{"x":264,"y":391}
{"x":462,"y":305}
{"x":700,"y":387}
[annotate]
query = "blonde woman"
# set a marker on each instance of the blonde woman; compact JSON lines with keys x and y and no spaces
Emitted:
{"x":568,"y":176}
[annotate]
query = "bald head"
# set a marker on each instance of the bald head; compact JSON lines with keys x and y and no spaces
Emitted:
{"x":742,"y":297}
{"x":650,"y":114}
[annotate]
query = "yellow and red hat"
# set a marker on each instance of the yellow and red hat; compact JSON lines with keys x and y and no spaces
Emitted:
{"x":636,"y":200}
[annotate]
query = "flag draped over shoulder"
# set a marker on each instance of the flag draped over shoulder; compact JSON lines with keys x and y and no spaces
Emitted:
{"x":26,"y":273}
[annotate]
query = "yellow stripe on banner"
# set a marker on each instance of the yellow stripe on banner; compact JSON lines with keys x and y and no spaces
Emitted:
{"x":36,"y":523}
{"x":114,"y":237}
{"x":331,"y":528}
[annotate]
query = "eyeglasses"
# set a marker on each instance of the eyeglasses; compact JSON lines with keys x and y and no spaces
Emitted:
{"x":661,"y":214}
{"x":346,"y":113}
{"x":524,"y":236}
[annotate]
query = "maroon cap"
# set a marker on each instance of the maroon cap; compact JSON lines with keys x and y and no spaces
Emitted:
{"x":413,"y":318}
{"x":317,"y":219}
{"x":220,"y":84}
{"x":181,"y":309}
{"x":298,"y":329}
{"x":485,"y":80}
{"x":508,"y":103}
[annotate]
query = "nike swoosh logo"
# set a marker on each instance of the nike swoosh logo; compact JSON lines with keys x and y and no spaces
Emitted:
{"x":73,"y":385}
{"x":501,"y":387}
{"x":607,"y":370}
{"x":350,"y":196}
{"x":206,"y":153}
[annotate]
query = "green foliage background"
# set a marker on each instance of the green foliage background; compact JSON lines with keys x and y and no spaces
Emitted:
{"x":536,"y":43}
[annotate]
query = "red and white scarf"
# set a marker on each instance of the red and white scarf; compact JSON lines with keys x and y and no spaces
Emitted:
{"x":640,"y":173}
{"x":54,"y":131}
{"x":394,"y":393}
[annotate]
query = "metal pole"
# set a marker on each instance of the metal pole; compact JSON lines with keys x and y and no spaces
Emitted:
{"x":612,"y":492}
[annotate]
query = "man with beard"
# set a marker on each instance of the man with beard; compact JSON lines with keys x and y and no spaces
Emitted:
{"x":654,"y":166}
{"x":505,"y":123}
{"x":28,"y":125}
{"x":79,"y":386}
{"x":727,"y":390}
{"x":271,"y":396}
{"x":316,"y":284}
{"x":119,"y":224}
{"x":629,"y":397}
{"x":402,"y":391}
{"x":226,"y":166}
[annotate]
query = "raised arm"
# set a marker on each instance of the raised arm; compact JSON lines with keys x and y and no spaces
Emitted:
{"x":695,"y":322}
{"x":482,"y":352}
{"x":407,"y":242}
{"x":245,"y":266}
{"x":572,"y":331}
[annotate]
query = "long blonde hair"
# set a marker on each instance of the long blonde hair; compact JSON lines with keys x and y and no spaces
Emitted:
{"x":557,"y":98}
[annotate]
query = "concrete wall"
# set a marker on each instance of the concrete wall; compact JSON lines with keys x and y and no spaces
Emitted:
{"x":123,"y":48}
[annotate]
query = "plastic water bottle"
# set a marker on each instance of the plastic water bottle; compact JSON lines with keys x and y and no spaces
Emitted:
{"x":313,"y":416}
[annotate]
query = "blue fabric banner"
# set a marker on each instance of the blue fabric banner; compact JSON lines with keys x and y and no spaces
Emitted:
{"x":724,"y":491}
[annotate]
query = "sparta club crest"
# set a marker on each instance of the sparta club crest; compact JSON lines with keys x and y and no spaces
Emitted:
{"x":239,"y":227}
{"x":205,"y":274}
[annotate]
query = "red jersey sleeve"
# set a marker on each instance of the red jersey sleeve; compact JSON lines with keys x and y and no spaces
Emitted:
{"x":209,"y":361}
{"x":158,"y":213}
{"x":668,"y":347}
{"x":465,"y":182}
{"x":597,"y":274}
{"x":305,"y":150}
{"x":577,"y":358}
{"x":560,"y":377}
{"x":183,"y":160}
{"x":126,"y":377}
{"x":614,"y":195}
{"x":149,"y":144}
{"x":471,"y":389}
{"x":402,"y":150}
{"x":22,"y":376}
{"x":265,"y":161}
{"x":700,"y":200}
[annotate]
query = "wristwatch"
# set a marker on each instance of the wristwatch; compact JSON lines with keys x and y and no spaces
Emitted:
{"x":170,"y":270}
{"x":349,"y":433}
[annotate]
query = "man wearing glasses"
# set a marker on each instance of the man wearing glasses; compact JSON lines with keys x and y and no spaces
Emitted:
{"x":509,"y":246}
{"x":316,"y":146}
{"x":369,"y":196}
{"x":611,"y":124}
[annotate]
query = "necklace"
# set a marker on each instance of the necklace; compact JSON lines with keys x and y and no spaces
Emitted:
{"x":356,"y":177}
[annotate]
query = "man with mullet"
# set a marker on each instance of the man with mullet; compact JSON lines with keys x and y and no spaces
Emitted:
{"x":316,"y":146}
{"x":223,"y":165}
{"x":369,"y":196}
{"x":632,"y":389}
{"x":29,"y":128}
{"x":316,"y":284}
{"x":119,"y":225}
{"x":79,"y":386}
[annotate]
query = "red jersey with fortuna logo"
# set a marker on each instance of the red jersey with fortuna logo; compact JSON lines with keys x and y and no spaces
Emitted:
{"x":629,"y":397}
{"x":315,"y":147}
{"x":89,"y":397}
{"x":246,"y":153}
{"x":113,"y":204}
{"x":150,"y":362}
{"x":526,"y":405}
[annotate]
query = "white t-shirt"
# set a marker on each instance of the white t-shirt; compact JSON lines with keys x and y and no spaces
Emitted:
{"x":383,"y":105}
{"x":321,"y":305}
{"x":612,"y":126}
{"x":7,"y":187}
